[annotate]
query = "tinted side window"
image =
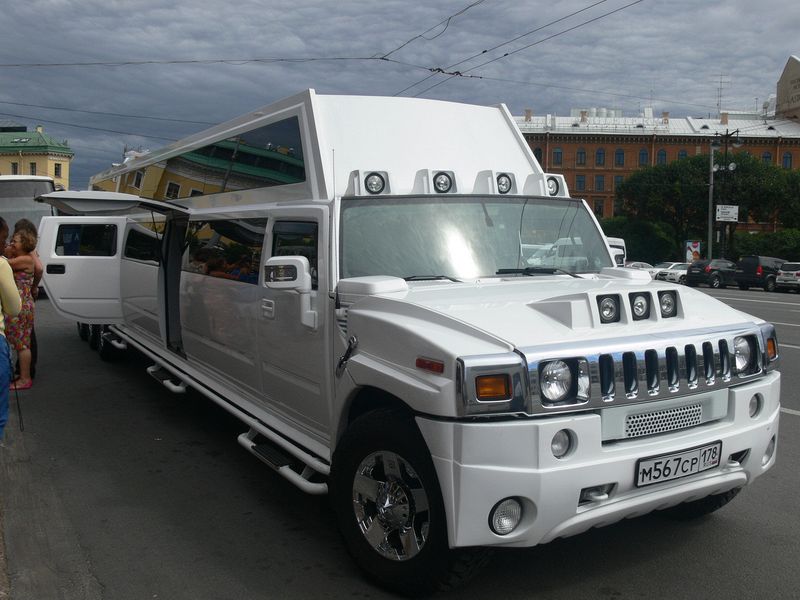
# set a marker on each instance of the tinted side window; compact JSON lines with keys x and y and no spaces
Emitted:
{"x":228,"y":249}
{"x":295,"y":238}
{"x":142,"y":245}
{"x":86,"y":240}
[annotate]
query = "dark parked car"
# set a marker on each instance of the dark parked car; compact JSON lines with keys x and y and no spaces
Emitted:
{"x":715,"y":273}
{"x":788,"y":277}
{"x":758,"y":271}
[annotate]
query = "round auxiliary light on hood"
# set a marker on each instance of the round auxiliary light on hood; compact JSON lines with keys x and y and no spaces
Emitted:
{"x":374,"y":183}
{"x":442,"y":182}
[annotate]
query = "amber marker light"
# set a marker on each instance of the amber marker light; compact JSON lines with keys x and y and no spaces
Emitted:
{"x":428,"y":364}
{"x":493,"y":387}
{"x":772,"y":349}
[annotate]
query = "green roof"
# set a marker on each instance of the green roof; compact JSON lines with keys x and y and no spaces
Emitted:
{"x":31,"y":142}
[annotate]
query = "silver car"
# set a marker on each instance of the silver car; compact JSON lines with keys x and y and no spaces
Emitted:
{"x":788,"y":277}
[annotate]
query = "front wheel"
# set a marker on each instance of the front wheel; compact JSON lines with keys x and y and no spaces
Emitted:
{"x":700,"y":508}
{"x":682,"y":280}
{"x":389,"y":508}
{"x":715,"y":281}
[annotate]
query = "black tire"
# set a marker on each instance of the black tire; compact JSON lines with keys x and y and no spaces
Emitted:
{"x":83,"y":331}
{"x":95,"y":331}
{"x":106,"y":351}
{"x":682,"y":280}
{"x":715,"y":281}
{"x":406,"y":498}
{"x":769,"y":285}
{"x":744,"y":287}
{"x":699,"y":508}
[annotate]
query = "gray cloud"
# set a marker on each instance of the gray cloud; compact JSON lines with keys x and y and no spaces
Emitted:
{"x":670,"y":54}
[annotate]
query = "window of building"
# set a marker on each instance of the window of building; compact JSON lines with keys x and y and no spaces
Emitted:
{"x":661,"y":157}
{"x":644,"y":157}
{"x":598,"y":207}
{"x":226,"y":249}
{"x":580,"y":182}
{"x":599,"y":183}
{"x":619,"y":157}
{"x":57,"y":169}
{"x":580,"y":157}
{"x":617,"y":181}
{"x":86,"y":240}
{"x":137,"y":179}
{"x":173,"y":190}
{"x":15,"y":168}
{"x":538,"y":154}
{"x":787,"y":160}
{"x":600,"y":157}
{"x":558,"y":156}
{"x":766,"y":157}
{"x":682,"y":154}
{"x":33,"y":169}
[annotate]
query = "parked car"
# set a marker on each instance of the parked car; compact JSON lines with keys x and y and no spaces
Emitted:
{"x":675,"y":274}
{"x":639,"y":265}
{"x":788,"y":277}
{"x":758,"y":271}
{"x":716,"y":273}
{"x":662,"y":266}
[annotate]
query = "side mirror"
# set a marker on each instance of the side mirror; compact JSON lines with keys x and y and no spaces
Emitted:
{"x":292,"y":273}
{"x":619,"y":256}
{"x":288,"y":273}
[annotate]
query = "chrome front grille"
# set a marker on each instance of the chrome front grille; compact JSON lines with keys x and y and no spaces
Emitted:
{"x":661,"y":421}
{"x":663,"y":371}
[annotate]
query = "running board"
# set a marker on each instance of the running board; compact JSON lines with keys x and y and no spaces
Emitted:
{"x":287,"y":466}
{"x":166,"y":379}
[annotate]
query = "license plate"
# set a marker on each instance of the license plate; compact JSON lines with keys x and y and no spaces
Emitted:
{"x":658,"y":469}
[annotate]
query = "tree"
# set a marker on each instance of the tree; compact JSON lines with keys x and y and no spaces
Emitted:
{"x":645,"y":241}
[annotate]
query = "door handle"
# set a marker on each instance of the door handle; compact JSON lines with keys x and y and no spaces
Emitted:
{"x":268,"y":308}
{"x":56,"y":269}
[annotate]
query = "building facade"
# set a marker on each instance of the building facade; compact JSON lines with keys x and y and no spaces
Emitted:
{"x":596,"y":149}
{"x":24,"y":152}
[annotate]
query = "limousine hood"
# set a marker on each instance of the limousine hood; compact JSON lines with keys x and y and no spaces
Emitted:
{"x":523,"y":312}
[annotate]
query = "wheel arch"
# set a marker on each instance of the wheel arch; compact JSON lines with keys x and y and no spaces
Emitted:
{"x":368,"y":399}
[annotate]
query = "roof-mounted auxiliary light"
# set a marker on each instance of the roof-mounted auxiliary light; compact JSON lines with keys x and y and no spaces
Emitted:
{"x":442,"y":182}
{"x":374,"y":183}
{"x":504,"y":183}
{"x":552,"y":186}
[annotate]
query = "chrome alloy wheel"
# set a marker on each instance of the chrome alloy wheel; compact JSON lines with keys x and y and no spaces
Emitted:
{"x":391,"y":506}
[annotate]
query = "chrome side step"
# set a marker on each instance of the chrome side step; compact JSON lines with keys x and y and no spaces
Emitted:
{"x":167,"y":379}
{"x":290,"y":467}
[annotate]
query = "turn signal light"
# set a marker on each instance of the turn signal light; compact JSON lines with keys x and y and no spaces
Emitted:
{"x":493,"y":387}
{"x":428,"y":364}
{"x":772,"y":349}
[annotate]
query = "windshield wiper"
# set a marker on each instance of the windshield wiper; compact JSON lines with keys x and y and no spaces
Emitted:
{"x":536,"y":271}
{"x":430,"y":278}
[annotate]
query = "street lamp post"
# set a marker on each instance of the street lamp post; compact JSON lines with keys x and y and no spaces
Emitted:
{"x":713,"y":168}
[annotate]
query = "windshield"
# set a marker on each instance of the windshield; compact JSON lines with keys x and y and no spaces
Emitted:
{"x":467,"y":237}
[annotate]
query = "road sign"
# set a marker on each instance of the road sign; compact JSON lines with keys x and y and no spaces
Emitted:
{"x":727,"y":212}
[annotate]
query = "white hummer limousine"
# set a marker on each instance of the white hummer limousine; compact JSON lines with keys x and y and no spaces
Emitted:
{"x":407,"y":313}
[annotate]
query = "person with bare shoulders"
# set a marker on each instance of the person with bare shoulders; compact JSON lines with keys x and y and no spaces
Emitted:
{"x":10,"y":305}
{"x":18,"y":328}
{"x":38,"y":271}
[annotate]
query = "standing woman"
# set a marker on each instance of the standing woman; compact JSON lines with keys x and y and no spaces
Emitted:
{"x":10,"y":304}
{"x":22,"y":262}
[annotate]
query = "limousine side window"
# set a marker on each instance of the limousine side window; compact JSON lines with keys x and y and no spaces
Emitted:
{"x":86,"y":240}
{"x":297,"y":238}
{"x":227,"y":249}
{"x":144,"y":238}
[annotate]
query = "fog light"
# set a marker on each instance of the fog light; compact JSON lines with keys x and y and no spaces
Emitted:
{"x":755,"y":406}
{"x":561,"y":445}
{"x":505,"y":516}
{"x":768,"y":452}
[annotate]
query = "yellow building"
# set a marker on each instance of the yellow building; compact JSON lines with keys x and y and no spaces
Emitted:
{"x":24,"y":152}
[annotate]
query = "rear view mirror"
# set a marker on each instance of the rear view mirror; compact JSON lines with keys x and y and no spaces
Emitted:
{"x":619,"y":256}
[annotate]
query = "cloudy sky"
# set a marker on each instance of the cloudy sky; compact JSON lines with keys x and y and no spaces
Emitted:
{"x":162,"y":70}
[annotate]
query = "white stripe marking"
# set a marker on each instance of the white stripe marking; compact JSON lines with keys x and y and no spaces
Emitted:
{"x":787,"y":324}
{"x":788,"y":346}
{"x":789,"y":411}
{"x":751,"y":300}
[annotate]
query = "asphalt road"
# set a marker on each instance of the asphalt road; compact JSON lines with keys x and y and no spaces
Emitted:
{"x":117,"y":489}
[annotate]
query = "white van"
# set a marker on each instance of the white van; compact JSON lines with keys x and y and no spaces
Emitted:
{"x":348,"y":276}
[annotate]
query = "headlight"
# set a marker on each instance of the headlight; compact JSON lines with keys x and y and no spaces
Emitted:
{"x":504,"y":183}
{"x":442,"y":182}
{"x":640,"y":303}
{"x":374,"y":182}
{"x":556,"y":380}
{"x":743,"y":354}
{"x":609,"y":308}
{"x":668,"y":304}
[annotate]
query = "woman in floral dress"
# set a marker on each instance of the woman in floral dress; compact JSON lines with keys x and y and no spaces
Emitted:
{"x":18,"y":329}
